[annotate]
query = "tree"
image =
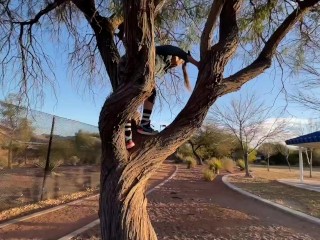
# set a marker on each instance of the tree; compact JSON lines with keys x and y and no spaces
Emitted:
{"x":285,"y":151}
{"x":209,"y":141}
{"x":258,"y":27}
{"x":88,"y":147}
{"x":247,"y":120}
{"x":268,"y":149}
{"x":19,"y":128}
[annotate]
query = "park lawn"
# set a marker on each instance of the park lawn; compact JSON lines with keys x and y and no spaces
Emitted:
{"x":264,"y":185}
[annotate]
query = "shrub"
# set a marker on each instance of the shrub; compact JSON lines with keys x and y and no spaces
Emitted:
{"x":208,"y":175}
{"x":191,"y":162}
{"x":179,"y":158}
{"x":228,"y":164}
{"x":3,"y":162}
{"x":73,"y":160}
{"x":211,"y":163}
{"x":240,"y":164}
{"x":215,"y":165}
{"x":52,"y":164}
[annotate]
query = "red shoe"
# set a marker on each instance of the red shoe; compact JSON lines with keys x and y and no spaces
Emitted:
{"x":129,"y":144}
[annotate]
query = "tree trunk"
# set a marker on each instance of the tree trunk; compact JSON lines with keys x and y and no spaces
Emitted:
{"x":25,"y":155}
{"x":246,"y":163}
{"x":194,"y":151}
{"x":123,"y":208}
{"x":268,"y":158}
{"x":10,"y":155}
{"x":310,"y":169}
{"x":287,"y":159}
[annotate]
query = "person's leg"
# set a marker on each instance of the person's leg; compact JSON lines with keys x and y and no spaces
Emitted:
{"x":128,"y":135}
{"x":145,"y":127}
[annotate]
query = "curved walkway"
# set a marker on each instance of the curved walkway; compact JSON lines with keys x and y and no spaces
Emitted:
{"x":312,"y":185}
{"x":190,"y":208}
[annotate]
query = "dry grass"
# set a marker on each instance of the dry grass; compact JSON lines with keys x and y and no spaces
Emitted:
{"x":31,"y":208}
{"x":283,"y":173}
{"x":264,"y":184}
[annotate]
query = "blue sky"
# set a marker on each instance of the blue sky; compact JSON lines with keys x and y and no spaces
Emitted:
{"x":74,"y":101}
{"x":78,"y":103}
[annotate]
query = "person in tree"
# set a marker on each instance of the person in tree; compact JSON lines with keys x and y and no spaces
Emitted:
{"x":167,"y":57}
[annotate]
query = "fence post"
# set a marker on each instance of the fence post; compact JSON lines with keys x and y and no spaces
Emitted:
{"x":46,"y":168}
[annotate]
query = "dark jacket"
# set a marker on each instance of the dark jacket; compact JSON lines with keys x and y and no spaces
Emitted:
{"x":164,"y":54}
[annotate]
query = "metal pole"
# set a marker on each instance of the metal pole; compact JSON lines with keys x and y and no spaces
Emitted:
{"x":46,"y":168}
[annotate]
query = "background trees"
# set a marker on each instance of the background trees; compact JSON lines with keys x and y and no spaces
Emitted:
{"x":19,"y":128}
{"x":210,"y":141}
{"x":246,"y":118}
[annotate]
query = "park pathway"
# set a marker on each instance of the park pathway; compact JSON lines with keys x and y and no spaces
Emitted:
{"x":59,"y":223}
{"x":190,"y":208}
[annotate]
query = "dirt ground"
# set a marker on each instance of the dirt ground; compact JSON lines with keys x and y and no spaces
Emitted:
{"x":188,"y":208}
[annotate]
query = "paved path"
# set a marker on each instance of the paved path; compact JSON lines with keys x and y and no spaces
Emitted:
{"x":312,"y":185}
{"x":190,"y":208}
{"x":57,"y":224}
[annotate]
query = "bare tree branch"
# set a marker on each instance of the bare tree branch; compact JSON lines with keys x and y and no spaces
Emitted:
{"x":46,"y":10}
{"x":206,"y":36}
{"x":104,"y":33}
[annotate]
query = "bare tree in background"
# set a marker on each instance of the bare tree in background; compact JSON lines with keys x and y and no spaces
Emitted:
{"x":285,"y":151}
{"x":86,"y":28}
{"x":248,"y":119}
{"x":268,"y":149}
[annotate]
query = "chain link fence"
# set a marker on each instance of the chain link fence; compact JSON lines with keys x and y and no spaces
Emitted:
{"x":44,"y":156}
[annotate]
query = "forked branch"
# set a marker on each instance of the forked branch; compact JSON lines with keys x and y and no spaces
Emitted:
{"x":104,"y":32}
{"x":206,"y":36}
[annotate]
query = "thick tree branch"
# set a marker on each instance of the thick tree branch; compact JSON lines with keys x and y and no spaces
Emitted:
{"x":104,"y":32}
{"x":235,"y":81}
{"x":228,"y":31}
{"x":206,"y":36}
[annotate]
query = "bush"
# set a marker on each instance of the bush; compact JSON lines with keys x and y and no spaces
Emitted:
{"x":179,"y":158}
{"x":73,"y":160}
{"x":211,"y":163}
{"x":52,"y":164}
{"x":240,"y":164}
{"x":191,"y":162}
{"x":228,"y":164}
{"x":3,"y":162}
{"x":215,"y":165}
{"x":208,"y":175}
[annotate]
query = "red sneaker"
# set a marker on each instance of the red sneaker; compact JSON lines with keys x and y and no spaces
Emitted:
{"x":129,"y":144}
